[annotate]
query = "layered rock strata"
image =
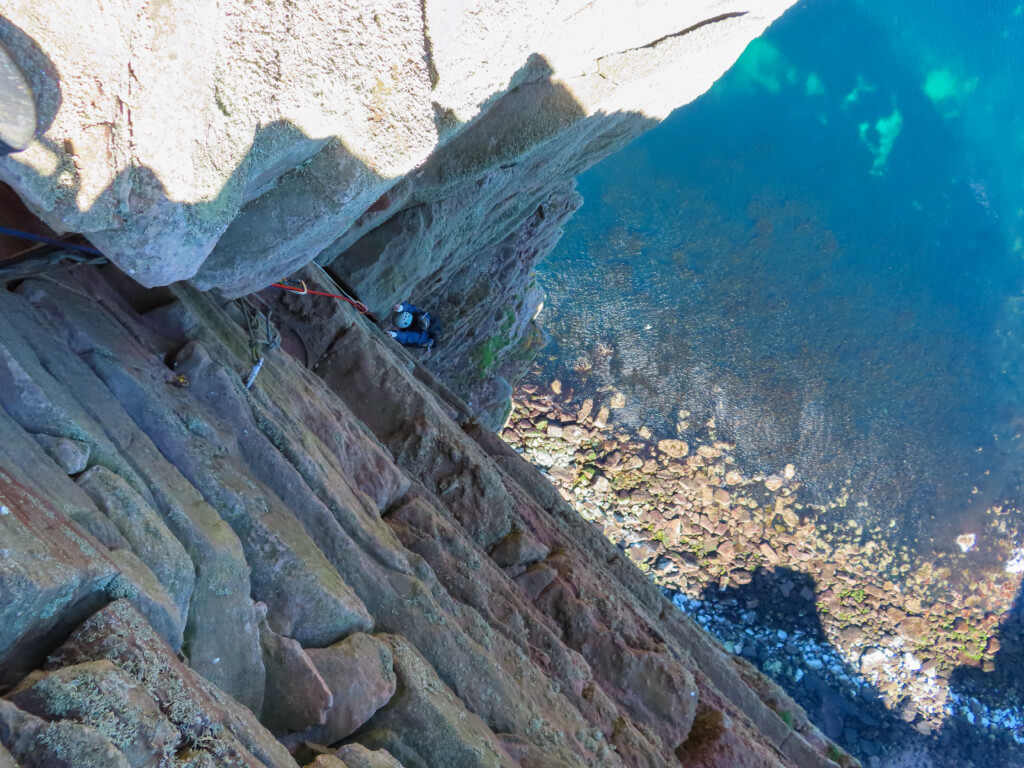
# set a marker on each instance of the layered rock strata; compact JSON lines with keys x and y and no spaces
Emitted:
{"x":368,"y":567}
{"x":418,"y":148}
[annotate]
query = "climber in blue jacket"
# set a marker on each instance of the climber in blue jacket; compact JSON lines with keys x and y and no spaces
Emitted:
{"x":414,"y":327}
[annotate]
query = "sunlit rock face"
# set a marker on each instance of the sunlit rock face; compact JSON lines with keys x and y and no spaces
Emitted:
{"x":234,"y":141}
{"x":420,"y":151}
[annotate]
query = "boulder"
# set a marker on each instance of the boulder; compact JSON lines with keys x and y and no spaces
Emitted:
{"x":674,"y":448}
{"x":518,"y":548}
{"x":358,"y":674}
{"x":296,"y":696}
{"x":70,"y":455}
{"x":871,"y":659}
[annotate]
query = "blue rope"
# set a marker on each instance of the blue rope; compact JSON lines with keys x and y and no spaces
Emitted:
{"x":49,"y":241}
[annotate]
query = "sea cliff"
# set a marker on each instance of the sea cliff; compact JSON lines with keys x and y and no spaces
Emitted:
{"x":341,"y":565}
{"x":192,"y":568}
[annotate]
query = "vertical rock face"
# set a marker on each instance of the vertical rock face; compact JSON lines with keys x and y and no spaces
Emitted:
{"x":425,"y":596}
{"x":418,"y":149}
{"x":335,"y":550}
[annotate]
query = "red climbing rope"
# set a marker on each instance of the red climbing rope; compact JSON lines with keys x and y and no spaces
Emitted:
{"x":359,"y":306}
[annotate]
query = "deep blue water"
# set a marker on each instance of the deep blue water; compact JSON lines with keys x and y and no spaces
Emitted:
{"x":824,"y":254}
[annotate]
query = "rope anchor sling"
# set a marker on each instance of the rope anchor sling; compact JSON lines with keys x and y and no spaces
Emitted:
{"x":271,"y":338}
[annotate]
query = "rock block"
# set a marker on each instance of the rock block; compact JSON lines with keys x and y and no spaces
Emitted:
{"x":296,"y":696}
{"x":518,"y":548}
{"x":145,"y":532}
{"x":102,"y":696}
{"x":358,"y":756}
{"x":203,"y":715}
{"x":35,"y":743}
{"x":326,"y":761}
{"x":70,"y":455}
{"x":425,"y":724}
{"x":359,"y":675}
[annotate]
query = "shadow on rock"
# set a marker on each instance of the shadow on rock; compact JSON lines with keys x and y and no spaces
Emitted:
{"x":40,"y":73}
{"x":786,"y":640}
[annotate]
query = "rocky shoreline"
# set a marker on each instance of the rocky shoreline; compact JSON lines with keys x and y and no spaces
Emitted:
{"x":815,"y":605}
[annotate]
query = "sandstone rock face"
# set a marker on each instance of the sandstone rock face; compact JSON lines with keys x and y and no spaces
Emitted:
{"x":421,"y":591}
{"x":426,"y":724}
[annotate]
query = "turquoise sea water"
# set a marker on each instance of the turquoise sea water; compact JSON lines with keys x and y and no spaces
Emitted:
{"x":824,"y":254}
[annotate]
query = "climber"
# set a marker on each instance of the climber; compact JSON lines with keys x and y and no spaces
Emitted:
{"x":414,"y":327}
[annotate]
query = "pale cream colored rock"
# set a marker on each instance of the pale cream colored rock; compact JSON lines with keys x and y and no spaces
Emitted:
{"x":674,"y":448}
{"x":618,"y":401}
{"x":708,"y":452}
{"x":770,"y":554}
{"x":773,"y":483}
{"x":585,"y":409}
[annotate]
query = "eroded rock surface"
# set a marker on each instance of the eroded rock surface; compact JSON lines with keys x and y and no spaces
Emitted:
{"x":455,"y":608}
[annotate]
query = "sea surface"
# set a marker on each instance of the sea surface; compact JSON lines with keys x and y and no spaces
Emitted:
{"x":822,"y":260}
